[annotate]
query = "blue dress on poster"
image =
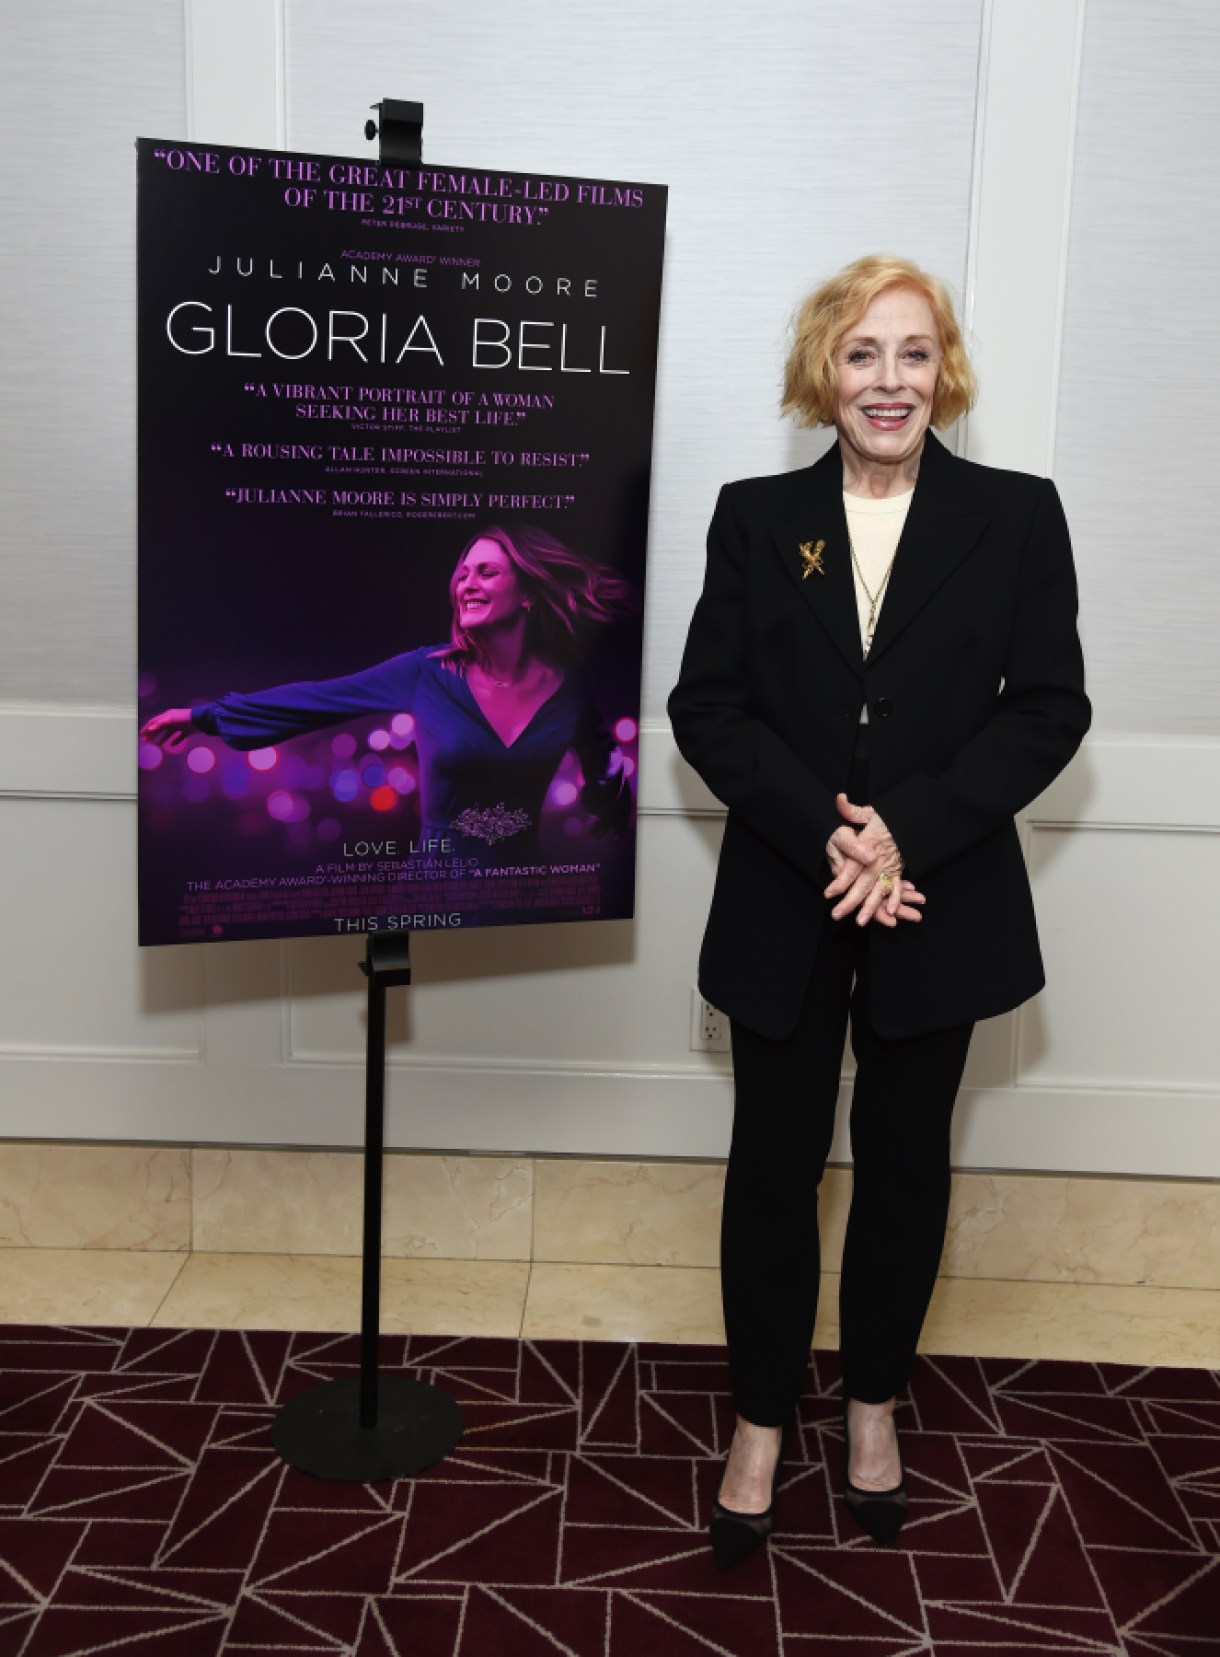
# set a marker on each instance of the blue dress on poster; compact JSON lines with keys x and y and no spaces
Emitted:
{"x":484,"y":796}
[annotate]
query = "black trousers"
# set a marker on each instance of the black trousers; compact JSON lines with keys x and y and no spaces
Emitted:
{"x":783,"y":1123}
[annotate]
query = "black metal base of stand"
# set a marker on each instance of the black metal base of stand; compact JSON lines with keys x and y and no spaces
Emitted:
{"x":370,"y":1426}
{"x":319,"y":1431}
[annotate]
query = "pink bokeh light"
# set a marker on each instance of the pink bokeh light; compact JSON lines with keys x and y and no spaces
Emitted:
{"x":262,"y":759}
{"x":564,"y":793}
{"x":149,"y":756}
{"x":403,"y":724}
{"x":343,"y":746}
{"x":286,"y":807}
{"x":401,"y":779}
{"x":379,"y":740}
{"x":626,"y":730}
{"x":201,"y":760}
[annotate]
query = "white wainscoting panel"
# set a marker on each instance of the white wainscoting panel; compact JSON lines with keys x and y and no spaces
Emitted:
{"x":1137,"y":422}
{"x":72,"y":982}
{"x":1141,"y":974}
{"x":235,"y":72}
{"x":1028,"y":75}
{"x":78,"y":83}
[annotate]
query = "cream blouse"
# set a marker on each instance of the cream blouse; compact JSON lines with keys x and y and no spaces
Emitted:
{"x":875,"y":526}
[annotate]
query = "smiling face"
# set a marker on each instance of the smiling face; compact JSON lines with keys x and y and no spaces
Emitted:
{"x":887,"y":365}
{"x":486,"y":588}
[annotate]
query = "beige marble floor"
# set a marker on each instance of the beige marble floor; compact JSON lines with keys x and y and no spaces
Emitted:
{"x":593,"y":1302}
{"x":282,"y":1291}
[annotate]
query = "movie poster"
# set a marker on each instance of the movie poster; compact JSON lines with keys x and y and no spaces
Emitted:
{"x":395,"y":432}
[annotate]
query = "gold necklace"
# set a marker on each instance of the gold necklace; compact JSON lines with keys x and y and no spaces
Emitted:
{"x":874,"y":599}
{"x":523,"y":683}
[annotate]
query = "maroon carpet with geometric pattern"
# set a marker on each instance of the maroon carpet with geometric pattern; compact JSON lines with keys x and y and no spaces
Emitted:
{"x":1056,"y":1507}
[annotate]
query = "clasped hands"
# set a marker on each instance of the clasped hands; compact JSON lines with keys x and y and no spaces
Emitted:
{"x":858,"y":853}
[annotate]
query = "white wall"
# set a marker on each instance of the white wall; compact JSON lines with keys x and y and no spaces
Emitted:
{"x":78,"y":82}
{"x":1139,"y":420}
{"x":776,"y":133}
{"x":792,"y":136}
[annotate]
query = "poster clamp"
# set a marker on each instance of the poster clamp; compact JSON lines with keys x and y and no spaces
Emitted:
{"x":371,"y":1426}
{"x":363,"y":1428}
{"x":400,"y":132}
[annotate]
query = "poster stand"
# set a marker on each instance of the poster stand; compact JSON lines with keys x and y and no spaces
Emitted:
{"x":363,"y":1428}
{"x":212,"y":456}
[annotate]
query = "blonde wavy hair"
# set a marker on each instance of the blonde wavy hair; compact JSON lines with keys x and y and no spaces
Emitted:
{"x":831,"y":311}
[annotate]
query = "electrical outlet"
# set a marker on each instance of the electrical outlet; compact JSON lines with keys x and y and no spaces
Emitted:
{"x":709,"y":1028}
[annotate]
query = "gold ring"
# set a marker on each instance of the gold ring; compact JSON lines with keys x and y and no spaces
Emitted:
{"x":886,"y":882}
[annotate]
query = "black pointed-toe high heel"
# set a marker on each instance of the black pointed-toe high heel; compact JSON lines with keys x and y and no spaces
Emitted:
{"x":734,"y":1536}
{"x":882,"y":1513}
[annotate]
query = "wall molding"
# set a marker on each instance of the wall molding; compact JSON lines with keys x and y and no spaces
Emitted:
{"x":1016,"y":266}
{"x":235,"y":72}
{"x":1122,"y":782}
{"x":279,"y":1057}
{"x":557,"y":1112}
{"x":67,"y":753}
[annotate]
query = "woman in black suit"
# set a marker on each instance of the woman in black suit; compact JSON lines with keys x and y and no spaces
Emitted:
{"x":882,"y":669}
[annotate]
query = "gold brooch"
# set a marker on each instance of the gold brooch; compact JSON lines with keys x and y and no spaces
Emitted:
{"x":811,"y":558}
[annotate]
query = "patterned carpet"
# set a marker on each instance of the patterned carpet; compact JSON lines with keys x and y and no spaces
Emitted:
{"x":1056,"y":1507}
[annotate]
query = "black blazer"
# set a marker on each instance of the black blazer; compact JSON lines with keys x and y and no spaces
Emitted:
{"x":975,"y":690}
